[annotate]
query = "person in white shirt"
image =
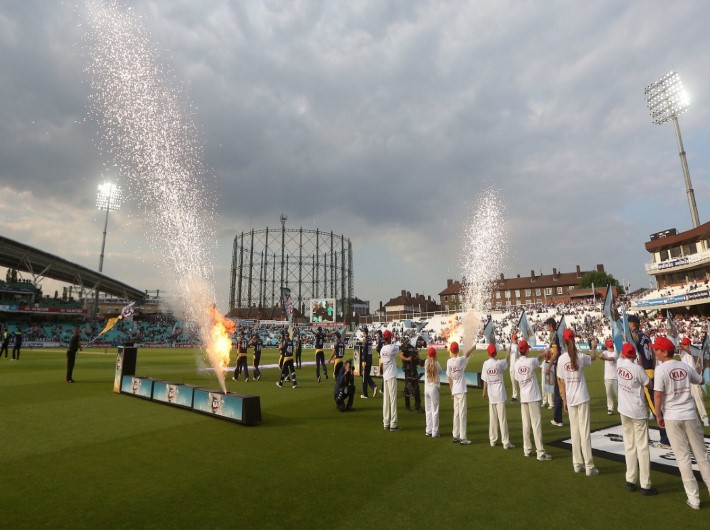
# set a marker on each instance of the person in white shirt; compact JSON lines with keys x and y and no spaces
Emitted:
{"x":695,"y":361}
{"x":632,"y":379}
{"x":494,"y":388}
{"x":530,"y":401}
{"x":432,"y":382}
{"x":611,"y":384}
{"x":675,"y":411}
{"x":575,"y":400}
{"x":455,"y":367}
{"x":388,"y":369}
{"x":513,"y":355}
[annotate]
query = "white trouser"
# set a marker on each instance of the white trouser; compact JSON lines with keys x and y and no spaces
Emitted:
{"x":697,"y":394}
{"x":687,"y":436}
{"x":389,"y":403}
{"x":638,"y":459}
{"x":530,"y":413}
{"x":612,"y":392}
{"x":460,"y":416}
{"x":497,"y":417}
{"x":581,"y":437}
{"x":513,"y":383}
{"x":431,"y":407}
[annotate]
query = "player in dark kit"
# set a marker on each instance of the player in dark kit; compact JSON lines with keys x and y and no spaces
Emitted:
{"x":287,"y":354}
{"x":344,"y":391}
{"x":320,"y":355}
{"x":5,"y":342}
{"x":299,"y":348}
{"x":410,"y":364}
{"x":18,"y":346}
{"x":256,"y":343}
{"x":554,"y":352}
{"x":366,"y":364}
{"x":242,"y":346}
{"x":338,"y":354}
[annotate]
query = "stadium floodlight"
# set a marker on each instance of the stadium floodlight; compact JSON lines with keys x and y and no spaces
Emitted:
{"x":666,"y":100}
{"x":108,"y":198}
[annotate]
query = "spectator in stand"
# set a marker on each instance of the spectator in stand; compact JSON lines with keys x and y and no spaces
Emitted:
{"x":675,"y":411}
{"x":610,"y":357}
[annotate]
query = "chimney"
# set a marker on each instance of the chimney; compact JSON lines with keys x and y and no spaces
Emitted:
{"x":404,"y":293}
{"x":600,"y":267}
{"x":518,"y":275}
{"x":380,"y":304}
{"x":532,"y":273}
{"x":554,"y":271}
{"x":502,"y":276}
{"x":409,"y":295}
{"x":449,"y":282}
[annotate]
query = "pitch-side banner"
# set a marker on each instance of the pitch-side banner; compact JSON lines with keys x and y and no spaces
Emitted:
{"x":609,"y":443}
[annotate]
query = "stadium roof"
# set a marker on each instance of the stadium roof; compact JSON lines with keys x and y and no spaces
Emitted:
{"x":683,"y":238}
{"x":19,"y":256}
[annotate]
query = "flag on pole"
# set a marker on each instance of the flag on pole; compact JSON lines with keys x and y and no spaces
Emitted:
{"x":526,"y":329}
{"x":126,"y":312}
{"x":489,"y":332}
{"x":110,"y":323}
{"x":612,"y":314}
{"x":287,"y":304}
{"x":625,"y":329}
{"x":671,"y":329}
{"x":561,"y":327}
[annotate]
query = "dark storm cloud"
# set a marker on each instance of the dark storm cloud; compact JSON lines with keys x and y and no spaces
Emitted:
{"x":383,"y":120}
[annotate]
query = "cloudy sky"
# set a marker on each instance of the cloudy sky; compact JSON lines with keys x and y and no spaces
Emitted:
{"x":378,"y":120}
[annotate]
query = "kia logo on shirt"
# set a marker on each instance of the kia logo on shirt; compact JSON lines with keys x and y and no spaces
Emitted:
{"x":624,"y":374}
{"x":492,"y":371}
{"x":569,"y":367}
{"x":523,"y":370}
{"x":678,"y":374}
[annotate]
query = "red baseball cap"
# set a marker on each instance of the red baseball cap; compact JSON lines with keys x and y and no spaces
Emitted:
{"x":523,"y":346}
{"x":568,"y":334}
{"x":387,"y":335}
{"x":431,"y":352}
{"x":609,"y":343}
{"x":685,"y":341}
{"x":628,"y":350}
{"x":663,"y":343}
{"x":492,"y":349}
{"x":454,"y":347}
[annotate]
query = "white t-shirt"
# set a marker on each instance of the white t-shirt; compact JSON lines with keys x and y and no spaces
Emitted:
{"x":576,"y":391}
{"x":610,"y":366}
{"x":437,"y":380}
{"x":388,"y":358}
{"x":689,"y":359}
{"x":674,"y":378}
{"x":455,"y":367}
{"x":632,"y":378}
{"x":492,"y":374}
{"x":525,"y":376}
{"x":514,"y":356}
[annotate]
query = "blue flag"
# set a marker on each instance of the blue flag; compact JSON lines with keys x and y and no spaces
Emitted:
{"x":489,"y":332}
{"x":671,"y":329}
{"x":526,"y":329}
{"x":561,"y":327}
{"x":625,"y":329}
{"x":615,"y":323}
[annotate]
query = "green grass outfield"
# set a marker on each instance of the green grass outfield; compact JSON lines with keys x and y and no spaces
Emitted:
{"x":80,"y":456}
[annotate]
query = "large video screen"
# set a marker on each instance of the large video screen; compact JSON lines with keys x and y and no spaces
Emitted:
{"x":322,"y":310}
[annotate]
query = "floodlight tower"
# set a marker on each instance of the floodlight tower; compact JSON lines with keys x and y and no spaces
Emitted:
{"x":108,"y":198}
{"x":667,"y":99}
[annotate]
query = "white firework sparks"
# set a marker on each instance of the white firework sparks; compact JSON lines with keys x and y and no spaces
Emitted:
{"x":482,"y":257}
{"x":147,"y":135}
